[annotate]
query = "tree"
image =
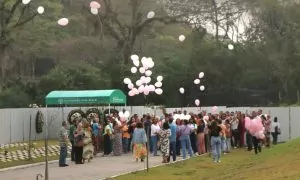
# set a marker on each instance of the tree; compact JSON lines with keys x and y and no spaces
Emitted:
{"x":72,"y":77}
{"x":274,"y":31}
{"x":219,"y":17}
{"x":14,"y":16}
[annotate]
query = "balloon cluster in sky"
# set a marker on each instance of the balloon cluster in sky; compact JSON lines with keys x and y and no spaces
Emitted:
{"x":196,"y":82}
{"x":143,"y":84}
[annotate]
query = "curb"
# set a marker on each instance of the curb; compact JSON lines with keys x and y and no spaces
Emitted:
{"x":155,"y":166}
{"x":29,"y":165}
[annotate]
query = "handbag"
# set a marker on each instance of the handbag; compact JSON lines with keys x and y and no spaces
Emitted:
{"x":277,"y":130}
{"x":80,"y":143}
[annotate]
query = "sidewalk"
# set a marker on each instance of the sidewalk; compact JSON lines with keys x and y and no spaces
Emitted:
{"x":98,"y":168}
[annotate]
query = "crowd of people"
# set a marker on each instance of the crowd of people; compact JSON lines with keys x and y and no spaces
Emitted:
{"x":173,"y":135}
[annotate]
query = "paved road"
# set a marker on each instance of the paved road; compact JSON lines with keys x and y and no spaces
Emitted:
{"x":99,"y":168}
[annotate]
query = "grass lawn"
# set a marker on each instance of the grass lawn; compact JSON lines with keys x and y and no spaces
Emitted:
{"x":37,"y":144}
{"x":280,"y":162}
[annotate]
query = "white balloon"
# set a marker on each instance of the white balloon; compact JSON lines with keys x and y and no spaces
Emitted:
{"x":150,"y":14}
{"x":187,"y":117}
{"x":181,"y":38}
{"x":26,"y":1}
{"x":151,"y":88}
{"x":147,"y":80}
{"x":121,"y":114}
{"x":197,"y":102}
{"x":138,"y":83}
{"x":182,"y":116}
{"x":197,"y":81}
{"x":63,"y":21}
{"x":148,"y":73}
{"x":159,"y":78}
{"x":181,"y":90}
{"x":158,"y":84}
{"x":133,"y":70}
{"x":127,"y":81}
{"x":202,"y":88}
{"x":94,"y":11}
{"x":158,"y":91}
{"x":230,"y":47}
{"x":201,"y":75}
{"x":134,"y":57}
{"x":142,"y":70}
{"x":144,"y":61}
{"x":150,"y":64}
{"x":126,"y":114}
{"x":136,"y":62}
{"x":130,"y":86}
{"x":40,"y":9}
{"x":143,"y":79}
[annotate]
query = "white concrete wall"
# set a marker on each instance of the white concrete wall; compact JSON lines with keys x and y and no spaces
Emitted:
{"x":14,"y":123}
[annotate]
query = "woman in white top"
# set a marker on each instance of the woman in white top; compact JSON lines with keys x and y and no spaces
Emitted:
{"x":235,"y":132}
{"x":155,"y":129}
{"x":275,"y":130}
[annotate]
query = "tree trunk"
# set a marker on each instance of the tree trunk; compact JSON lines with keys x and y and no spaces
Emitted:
{"x":215,"y":18}
{"x":2,"y":64}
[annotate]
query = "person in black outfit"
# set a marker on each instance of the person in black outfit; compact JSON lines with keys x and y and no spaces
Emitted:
{"x":256,"y":141}
{"x":215,"y":130}
{"x":193,"y":137}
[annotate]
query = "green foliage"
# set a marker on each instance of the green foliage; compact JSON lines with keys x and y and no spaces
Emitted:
{"x":93,"y":52}
{"x":75,"y":77}
{"x":14,"y":97}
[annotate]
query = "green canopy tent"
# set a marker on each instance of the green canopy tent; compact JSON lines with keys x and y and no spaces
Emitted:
{"x":84,"y":97}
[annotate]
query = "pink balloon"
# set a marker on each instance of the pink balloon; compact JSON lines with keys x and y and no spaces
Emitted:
{"x":130,"y":86}
{"x":247,"y":123}
{"x":255,"y":126}
{"x":206,"y":118}
{"x":122,"y":119}
{"x":214,"y":108}
{"x":131,"y":93}
{"x":146,"y":90}
{"x":146,"y":93}
{"x":141,"y":88}
{"x":135,"y":91}
{"x":95,"y":4}
{"x":63,"y":21}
